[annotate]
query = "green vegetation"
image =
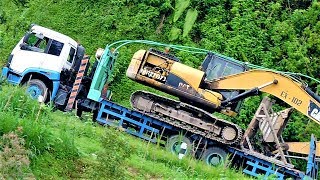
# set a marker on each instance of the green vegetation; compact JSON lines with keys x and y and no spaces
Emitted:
{"x":282,"y":35}
{"x":39,"y":143}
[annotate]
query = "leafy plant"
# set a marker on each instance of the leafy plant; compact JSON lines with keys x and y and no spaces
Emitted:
{"x":180,"y":6}
{"x":191,"y":18}
{"x":174,"y":33}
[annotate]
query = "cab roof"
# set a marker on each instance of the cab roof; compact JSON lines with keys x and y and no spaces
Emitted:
{"x":53,"y":34}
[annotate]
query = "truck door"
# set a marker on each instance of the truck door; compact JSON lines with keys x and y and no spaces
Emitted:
{"x":70,"y":58}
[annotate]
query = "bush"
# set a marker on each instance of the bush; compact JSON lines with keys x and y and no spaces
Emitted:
{"x":14,"y":160}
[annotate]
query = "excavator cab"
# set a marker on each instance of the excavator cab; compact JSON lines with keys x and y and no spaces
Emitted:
{"x":216,"y":67}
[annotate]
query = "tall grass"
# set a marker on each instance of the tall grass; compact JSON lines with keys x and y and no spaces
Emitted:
{"x":60,"y":145}
{"x":52,"y":146}
{"x":158,"y":163}
{"x":18,"y":110}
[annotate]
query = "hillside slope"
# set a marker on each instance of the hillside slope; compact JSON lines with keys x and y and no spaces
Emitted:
{"x":38,"y":143}
{"x":281,"y":35}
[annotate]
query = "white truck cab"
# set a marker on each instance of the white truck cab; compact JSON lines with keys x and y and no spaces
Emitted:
{"x":39,"y":59}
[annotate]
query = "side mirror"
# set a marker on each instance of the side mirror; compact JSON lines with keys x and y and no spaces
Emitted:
{"x":23,"y":46}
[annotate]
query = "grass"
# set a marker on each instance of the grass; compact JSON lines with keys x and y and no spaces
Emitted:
{"x":146,"y":161}
{"x":62,"y":146}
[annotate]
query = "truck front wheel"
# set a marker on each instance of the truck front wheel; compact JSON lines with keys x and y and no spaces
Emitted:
{"x":37,"y":90}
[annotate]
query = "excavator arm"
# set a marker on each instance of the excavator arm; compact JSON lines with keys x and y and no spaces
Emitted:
{"x":284,"y":87}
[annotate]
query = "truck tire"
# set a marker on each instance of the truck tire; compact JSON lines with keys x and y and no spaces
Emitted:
{"x":214,"y":156}
{"x":35,"y":88}
{"x":174,"y":143}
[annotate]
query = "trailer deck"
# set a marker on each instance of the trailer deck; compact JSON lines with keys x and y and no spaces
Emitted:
{"x":151,"y":129}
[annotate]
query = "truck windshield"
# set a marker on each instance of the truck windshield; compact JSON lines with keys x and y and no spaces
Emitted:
{"x":36,"y":43}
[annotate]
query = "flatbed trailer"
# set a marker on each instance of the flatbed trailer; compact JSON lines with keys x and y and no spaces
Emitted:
{"x":151,"y":129}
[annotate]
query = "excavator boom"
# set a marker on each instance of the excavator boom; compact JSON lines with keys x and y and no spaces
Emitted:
{"x":282,"y":86}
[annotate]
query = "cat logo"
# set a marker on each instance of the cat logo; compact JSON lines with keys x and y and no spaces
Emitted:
{"x":314,"y":111}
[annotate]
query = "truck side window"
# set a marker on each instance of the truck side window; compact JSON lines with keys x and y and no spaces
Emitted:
{"x":55,"y":48}
{"x":71,"y":55}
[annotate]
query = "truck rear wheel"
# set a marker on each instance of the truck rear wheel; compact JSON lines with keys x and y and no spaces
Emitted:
{"x":36,"y":88}
{"x":214,"y":156}
{"x":174,"y":144}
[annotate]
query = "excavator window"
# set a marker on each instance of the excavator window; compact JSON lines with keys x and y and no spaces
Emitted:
{"x":216,"y":67}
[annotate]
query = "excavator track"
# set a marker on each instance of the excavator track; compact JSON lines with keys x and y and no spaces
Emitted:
{"x":187,"y":117}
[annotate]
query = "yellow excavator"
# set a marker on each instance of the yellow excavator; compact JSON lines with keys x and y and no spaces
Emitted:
{"x":219,"y":85}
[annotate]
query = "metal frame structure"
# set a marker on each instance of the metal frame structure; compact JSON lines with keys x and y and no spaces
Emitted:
{"x":312,"y":165}
{"x":150,"y":129}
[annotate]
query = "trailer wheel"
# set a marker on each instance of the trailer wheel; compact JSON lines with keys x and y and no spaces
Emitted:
{"x":214,"y":156}
{"x":36,"y":88}
{"x":174,"y":143}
